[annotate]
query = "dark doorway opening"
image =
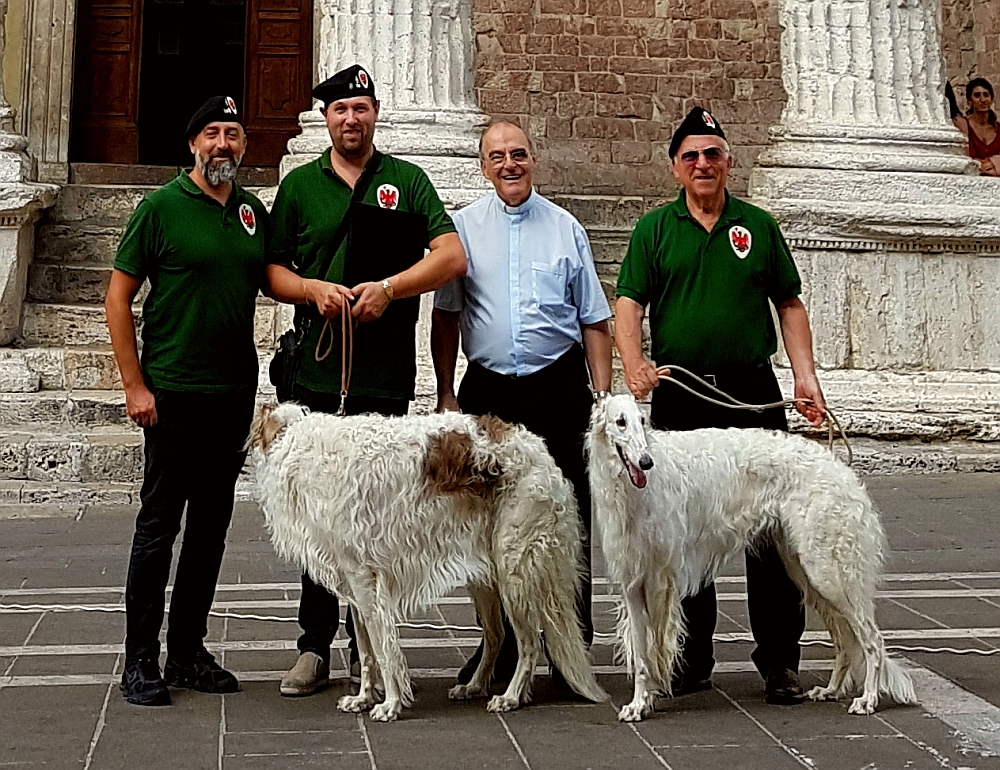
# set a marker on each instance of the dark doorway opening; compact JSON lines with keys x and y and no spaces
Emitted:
{"x":142,"y":67}
{"x":191,"y":50}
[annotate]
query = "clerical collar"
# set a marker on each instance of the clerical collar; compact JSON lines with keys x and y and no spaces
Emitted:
{"x":524,"y":208}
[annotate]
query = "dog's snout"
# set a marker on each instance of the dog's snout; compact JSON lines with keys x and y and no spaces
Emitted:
{"x":645,"y":462}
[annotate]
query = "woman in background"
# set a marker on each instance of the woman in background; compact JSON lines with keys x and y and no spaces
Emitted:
{"x":979,"y":124}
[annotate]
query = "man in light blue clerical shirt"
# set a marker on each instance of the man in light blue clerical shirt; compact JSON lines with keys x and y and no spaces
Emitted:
{"x":532,"y":319}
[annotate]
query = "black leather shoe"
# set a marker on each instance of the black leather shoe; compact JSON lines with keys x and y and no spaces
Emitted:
{"x":782,"y":687}
{"x":688,"y":684}
{"x":503,"y":669}
{"x":201,"y":673}
{"x":142,"y":684}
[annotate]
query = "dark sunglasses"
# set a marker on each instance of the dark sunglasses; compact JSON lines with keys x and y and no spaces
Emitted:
{"x":712,"y":155}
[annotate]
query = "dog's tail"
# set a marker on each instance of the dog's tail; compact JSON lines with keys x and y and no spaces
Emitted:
{"x":565,"y":645}
{"x":269,"y":421}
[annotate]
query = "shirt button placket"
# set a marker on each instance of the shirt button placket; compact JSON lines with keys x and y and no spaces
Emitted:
{"x":514,"y":271}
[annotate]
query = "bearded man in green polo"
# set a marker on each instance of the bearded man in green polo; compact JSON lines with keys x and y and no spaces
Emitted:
{"x":709,"y":266}
{"x":312,"y":237}
{"x":200,"y":241}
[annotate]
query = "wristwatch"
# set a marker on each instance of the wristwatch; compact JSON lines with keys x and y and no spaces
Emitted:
{"x":387,"y":288}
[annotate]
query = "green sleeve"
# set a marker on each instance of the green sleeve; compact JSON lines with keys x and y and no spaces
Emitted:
{"x":427,"y":202}
{"x":141,"y":243}
{"x":283,"y":228}
{"x":635,"y":279}
{"x":783,"y":281}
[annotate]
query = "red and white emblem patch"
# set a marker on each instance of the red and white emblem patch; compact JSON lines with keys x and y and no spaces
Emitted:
{"x":230,"y":106}
{"x":388,"y":196}
{"x":247,"y":218}
{"x":741,"y":241}
{"x":709,"y":120}
{"x":363,"y":78}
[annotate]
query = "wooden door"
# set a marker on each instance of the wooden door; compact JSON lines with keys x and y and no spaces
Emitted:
{"x":105,"y":99}
{"x":278,"y":75}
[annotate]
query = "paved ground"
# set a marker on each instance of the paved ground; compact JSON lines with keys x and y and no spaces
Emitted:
{"x":61,"y":630}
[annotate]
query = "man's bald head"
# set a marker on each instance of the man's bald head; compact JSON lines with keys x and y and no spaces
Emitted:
{"x":503,"y":125}
{"x":508,"y":161}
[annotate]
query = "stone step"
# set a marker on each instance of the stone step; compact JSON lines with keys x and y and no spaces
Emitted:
{"x":105,"y":456}
{"x":73,"y":242}
{"x":68,"y":283}
{"x":102,"y":205}
{"x":64,"y":410}
{"x":66,"y":325}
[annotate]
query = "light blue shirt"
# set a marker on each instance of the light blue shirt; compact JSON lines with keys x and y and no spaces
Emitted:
{"x":530,"y":284}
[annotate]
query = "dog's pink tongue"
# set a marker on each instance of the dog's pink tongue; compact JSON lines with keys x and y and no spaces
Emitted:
{"x":638,"y":477}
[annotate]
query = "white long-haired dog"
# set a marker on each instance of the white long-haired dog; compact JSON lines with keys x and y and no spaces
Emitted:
{"x":392,"y":513}
{"x":708,"y":495}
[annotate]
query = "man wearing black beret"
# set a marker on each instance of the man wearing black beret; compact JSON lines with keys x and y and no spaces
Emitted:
{"x":313,"y":233}
{"x":200,"y":241}
{"x":708,"y":266}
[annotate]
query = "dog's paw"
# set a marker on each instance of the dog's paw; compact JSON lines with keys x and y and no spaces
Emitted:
{"x":465,"y":692}
{"x":355,"y":704}
{"x":633,"y":712}
{"x":502,"y":703}
{"x":864,"y":705}
{"x":822,"y":693}
{"x":387,"y":711}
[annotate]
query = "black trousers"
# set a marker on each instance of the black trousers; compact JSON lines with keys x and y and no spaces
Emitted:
{"x":777,"y":617}
{"x":319,"y":609}
{"x":193,"y":456}
{"x":553,"y":403}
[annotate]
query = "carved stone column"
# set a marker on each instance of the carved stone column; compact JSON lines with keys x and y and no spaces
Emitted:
{"x":20,"y":202}
{"x":419,"y":53}
{"x":894,"y":231}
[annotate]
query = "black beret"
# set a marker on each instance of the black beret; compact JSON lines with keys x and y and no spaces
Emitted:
{"x":218,"y":108}
{"x":699,"y":122}
{"x":354,"y":81}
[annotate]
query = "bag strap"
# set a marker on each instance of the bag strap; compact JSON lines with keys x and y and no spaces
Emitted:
{"x":357,"y":196}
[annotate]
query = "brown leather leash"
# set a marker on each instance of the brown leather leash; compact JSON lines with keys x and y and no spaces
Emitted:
{"x":346,"y":351}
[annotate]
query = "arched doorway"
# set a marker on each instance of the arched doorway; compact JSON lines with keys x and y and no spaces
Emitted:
{"x":144,"y":66}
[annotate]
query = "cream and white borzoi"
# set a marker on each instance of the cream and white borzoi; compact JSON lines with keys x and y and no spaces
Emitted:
{"x":708,"y":495}
{"x":392,"y":513}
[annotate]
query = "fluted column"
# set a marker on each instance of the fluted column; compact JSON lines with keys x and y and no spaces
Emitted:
{"x":865,"y":88}
{"x":14,"y":165}
{"x":420,"y":54}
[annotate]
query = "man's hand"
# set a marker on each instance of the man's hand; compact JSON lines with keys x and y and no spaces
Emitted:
{"x":448,"y":403}
{"x":372,"y":301}
{"x":640,"y":377}
{"x":328,"y":297}
{"x":808,"y":387}
{"x":140,"y":404}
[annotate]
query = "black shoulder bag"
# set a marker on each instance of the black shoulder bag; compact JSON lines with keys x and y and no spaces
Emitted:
{"x":283,"y":370}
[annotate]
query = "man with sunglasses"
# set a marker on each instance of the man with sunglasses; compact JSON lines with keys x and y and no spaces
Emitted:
{"x":532,"y":319}
{"x":708,"y":265}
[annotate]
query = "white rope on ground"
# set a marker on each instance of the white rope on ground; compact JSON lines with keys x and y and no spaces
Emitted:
{"x":448,"y":627}
{"x":731,"y":403}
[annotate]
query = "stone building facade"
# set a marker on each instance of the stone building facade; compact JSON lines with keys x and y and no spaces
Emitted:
{"x":834,"y":109}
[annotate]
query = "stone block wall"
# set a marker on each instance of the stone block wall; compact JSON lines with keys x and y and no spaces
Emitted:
{"x":600,"y":85}
{"x":971,"y":41}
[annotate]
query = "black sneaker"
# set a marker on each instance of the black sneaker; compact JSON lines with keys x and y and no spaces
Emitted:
{"x":142,"y":684}
{"x":202,"y":674}
{"x":782,"y":687}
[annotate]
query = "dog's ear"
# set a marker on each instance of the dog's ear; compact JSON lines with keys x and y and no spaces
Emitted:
{"x":264,"y":428}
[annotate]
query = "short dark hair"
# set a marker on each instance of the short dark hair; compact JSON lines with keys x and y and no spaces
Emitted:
{"x":971,"y":86}
{"x":501,"y":122}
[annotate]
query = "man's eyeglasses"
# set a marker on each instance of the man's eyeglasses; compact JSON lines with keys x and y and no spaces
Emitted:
{"x":712,"y":155}
{"x":498,"y":158}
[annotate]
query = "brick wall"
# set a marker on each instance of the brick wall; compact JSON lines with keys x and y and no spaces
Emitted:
{"x":986,"y":16}
{"x":971,"y":42}
{"x":600,"y":85}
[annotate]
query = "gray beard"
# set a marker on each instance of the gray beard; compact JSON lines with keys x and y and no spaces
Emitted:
{"x":218,"y":173}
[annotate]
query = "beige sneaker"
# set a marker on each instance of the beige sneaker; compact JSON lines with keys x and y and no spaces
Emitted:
{"x":309,"y":674}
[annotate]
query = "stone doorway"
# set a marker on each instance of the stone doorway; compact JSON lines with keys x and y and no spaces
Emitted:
{"x":143,"y":66}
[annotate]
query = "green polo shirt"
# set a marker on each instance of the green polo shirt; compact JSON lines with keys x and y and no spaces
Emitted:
{"x":708,"y":292}
{"x":310,"y":205}
{"x":205,"y":265}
